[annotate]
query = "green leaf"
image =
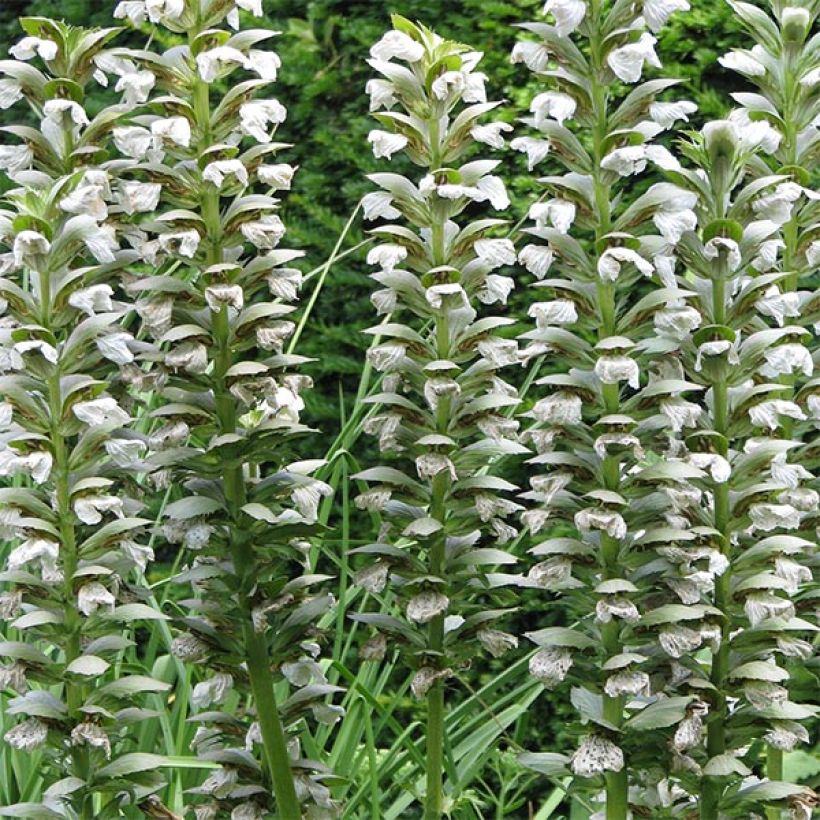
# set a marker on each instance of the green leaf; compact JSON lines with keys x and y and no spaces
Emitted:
{"x":88,"y":665}
{"x":131,"y":764}
{"x":662,"y":713}
{"x":136,"y":612}
{"x":547,"y":763}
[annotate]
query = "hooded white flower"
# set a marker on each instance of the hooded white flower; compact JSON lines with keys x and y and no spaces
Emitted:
{"x":666,"y":114}
{"x":767,"y":413}
{"x":27,"y":736}
{"x":183,"y":243}
{"x":627,"y":61}
{"x":114,"y":347}
{"x":681,"y":413}
{"x":214,"y":62}
{"x":133,"y":141}
{"x":90,"y":508}
{"x":787,"y":359}
{"x":496,"y":289}
{"x":279,"y":177}
{"x":607,"y":521}
{"x":34,"y":549}
{"x":779,"y":305}
{"x":677,"y":640}
{"x":495,"y":252}
{"x":175,"y":130}
{"x":721,"y":245}
{"x":558,"y":312}
{"x":29,"y":247}
{"x":627,"y":683}
{"x":98,"y":412}
{"x":657,"y":12}
{"x":744,"y":62}
{"x":10,"y":93}
{"x":568,"y":14}
{"x":615,"y":369}
{"x":534,"y":55}
{"x":553,"y":105}
{"x":768,"y":517}
{"x":217,"y":172}
{"x":264,"y":63}
{"x":398,"y":45}
{"x":29,"y":47}
{"x":535,"y":149}
{"x":425,"y":606}
{"x":677,"y":321}
{"x":760,"y":606}
{"x":595,"y":755}
{"x":537,"y":259}
{"x":717,"y":466}
{"x":611,"y":260}
{"x":559,"y":212}
{"x":385,"y":143}
{"x":91,"y":597}
{"x":138,"y":197}
{"x":212,"y":691}
{"x":381,"y":93}
{"x":563,"y":409}
{"x":387,"y":256}
{"x":379,"y":205}
{"x":15,"y":158}
{"x":490,"y":134}
{"x":550,"y":665}
{"x":56,"y":112}
{"x":786,"y":734}
{"x":265,"y":232}
{"x":257,"y":116}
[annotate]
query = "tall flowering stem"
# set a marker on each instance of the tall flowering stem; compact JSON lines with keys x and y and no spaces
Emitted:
{"x":753,"y":505}
{"x":73,"y":572}
{"x":441,"y":409}
{"x":217,"y":305}
{"x":785,"y":67}
{"x":606,"y":502}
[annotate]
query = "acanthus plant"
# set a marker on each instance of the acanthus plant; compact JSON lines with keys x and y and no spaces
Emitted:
{"x":442,"y":407}
{"x":756,"y":504}
{"x":217,"y":302}
{"x":70,"y":512}
{"x":610,"y":320}
{"x":784,"y":64}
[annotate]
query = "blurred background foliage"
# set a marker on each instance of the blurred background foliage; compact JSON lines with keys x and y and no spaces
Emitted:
{"x":324,"y":45}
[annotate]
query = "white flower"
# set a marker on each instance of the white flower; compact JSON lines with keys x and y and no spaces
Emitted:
{"x":558,"y":312}
{"x":495,"y":252}
{"x":673,"y":224}
{"x":768,"y":517}
{"x":760,"y":606}
{"x":15,"y":158}
{"x":787,"y":359}
{"x":47,"y":351}
{"x":264,"y":63}
{"x":677,"y":321}
{"x":744,"y":62}
{"x":189,"y":356}
{"x":91,"y":734}
{"x":666,"y":114}
{"x":615,"y":369}
{"x":217,"y":60}
{"x":785,"y":735}
{"x":627,"y":61}
{"x":596,"y":754}
{"x":425,"y":678}
{"x":779,"y":305}
{"x":217,"y":172}
{"x":10,"y":93}
{"x":255,"y":117}
{"x":490,"y":134}
{"x":496,"y":289}
{"x":425,"y":606}
{"x":534,"y":55}
{"x":561,"y":408}
{"x":28,"y":247}
{"x":535,"y":149}
{"x":681,"y":413}
{"x":161,"y":10}
{"x":98,"y":412}
{"x":173,"y":129}
{"x":387,"y":257}
{"x":777,"y":205}
{"x":616,"y":606}
{"x":568,"y":14}
{"x":497,"y":643}
{"x":552,"y":105}
{"x":399,"y":45}
{"x":27,"y":736}
{"x":607,"y":521}
{"x":559,"y":212}
{"x":279,"y":177}
{"x":183,"y":243}
{"x":28,"y":47}
{"x":381,"y":93}
{"x":550,"y":666}
{"x":133,"y":141}
{"x":33,"y":549}
{"x":100,"y":240}
{"x":91,"y":597}
{"x":754,"y":133}
{"x":385,"y":143}
{"x":627,"y":683}
{"x":114,"y":347}
{"x":218,"y":296}
{"x":138,"y":197}
{"x":56,"y":110}
{"x":493,"y":189}
{"x":657,"y":12}
{"x":379,"y":205}
{"x":214,"y":690}
{"x":677,"y":640}
{"x":133,"y":10}
{"x":89,"y":508}
{"x":718,"y":467}
{"x":720,"y":245}
{"x":537,"y":259}
{"x":265,"y":233}
{"x":766,"y":413}
{"x":610,"y":261}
